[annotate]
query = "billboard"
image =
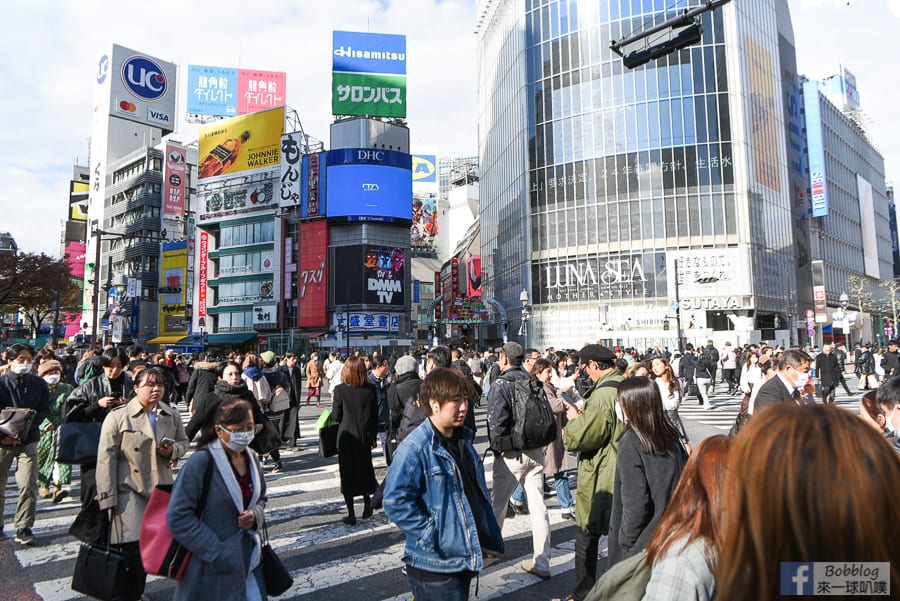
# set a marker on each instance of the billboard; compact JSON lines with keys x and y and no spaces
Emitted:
{"x":78,"y":200}
{"x":815,"y":148}
{"x":367,"y":321}
{"x":245,"y":145}
{"x":232,"y":198}
{"x":312,"y":285}
{"x":764,"y":113}
{"x":76,"y":253}
{"x":424,"y":168}
{"x":636,"y":275}
{"x":369,"y":183}
{"x":368,"y":74}
{"x":707,"y":273}
{"x":176,"y":178}
{"x":203,"y":275}
{"x":370,"y":274}
{"x":172,"y":281}
{"x":289,"y":189}
{"x":312,"y":176}
{"x":226,"y":92}
{"x":140,"y":88}
{"x":473,"y":276}
{"x":424,"y":229}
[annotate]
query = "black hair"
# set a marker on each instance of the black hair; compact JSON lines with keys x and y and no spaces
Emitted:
{"x":440,"y":356}
{"x":642,"y":404}
{"x":141,"y":377}
{"x":220,"y":371}
{"x":443,"y":385}
{"x":111,"y":353}
{"x":230,"y":412}
{"x":17,"y":349}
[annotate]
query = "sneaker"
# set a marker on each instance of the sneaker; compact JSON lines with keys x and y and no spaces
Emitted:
{"x":528,"y":566}
{"x":277,"y":468}
{"x":25,"y":536}
{"x":568,"y":514}
{"x":519,"y":508}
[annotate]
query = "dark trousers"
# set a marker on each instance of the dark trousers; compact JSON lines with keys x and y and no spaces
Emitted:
{"x":827,"y":393}
{"x":844,"y":384}
{"x":290,"y":428}
{"x":88,"y":483}
{"x":728,"y":376}
{"x":586,"y":546}
{"x":138,"y":579}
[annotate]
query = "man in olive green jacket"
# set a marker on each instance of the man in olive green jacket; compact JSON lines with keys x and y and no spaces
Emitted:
{"x":593,"y":433}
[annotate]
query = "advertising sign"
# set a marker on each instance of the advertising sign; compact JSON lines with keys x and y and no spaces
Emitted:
{"x":260,"y":90}
{"x":265,"y":316}
{"x":424,"y":168}
{"x":172,"y":281}
{"x":202,"y":274}
{"x":141,"y":87}
{"x":367,"y":321}
{"x":312,"y":176}
{"x":473,"y":276}
{"x":765,"y":109}
{"x":709,"y":272}
{"x":223,"y":200}
{"x":424,"y":229}
{"x":385,"y":275}
{"x":366,"y":182}
{"x":815,"y":144}
{"x":212,"y":91}
{"x":592,"y":277}
{"x":818,"y":283}
{"x":361,"y":52}
{"x":176,"y":178}
{"x":312,"y":287}
{"x":76,"y":258}
{"x":289,"y":190}
{"x":246,"y":144}
{"x":467,"y":311}
{"x":368,"y":94}
{"x":78,"y":200}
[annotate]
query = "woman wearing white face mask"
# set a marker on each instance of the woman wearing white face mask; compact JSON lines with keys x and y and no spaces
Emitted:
{"x":51,"y":475}
{"x":225,"y":541}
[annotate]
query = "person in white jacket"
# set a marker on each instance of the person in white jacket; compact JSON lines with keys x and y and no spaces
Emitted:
{"x":333,"y":374}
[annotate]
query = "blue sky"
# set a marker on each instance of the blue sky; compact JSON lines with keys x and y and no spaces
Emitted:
{"x":50,"y":56}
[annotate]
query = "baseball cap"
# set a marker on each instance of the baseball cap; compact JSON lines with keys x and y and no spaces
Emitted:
{"x":596,"y":352}
{"x":511,"y":349}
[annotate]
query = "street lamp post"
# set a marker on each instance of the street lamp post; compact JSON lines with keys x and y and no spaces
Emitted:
{"x":526,"y":315}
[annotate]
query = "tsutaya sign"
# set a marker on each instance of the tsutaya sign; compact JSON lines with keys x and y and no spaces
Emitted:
{"x":592,"y":278}
{"x":713,"y":303}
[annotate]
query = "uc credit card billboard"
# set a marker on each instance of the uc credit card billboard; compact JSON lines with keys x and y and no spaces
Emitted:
{"x":137,"y":87}
{"x":368,"y":74}
{"x":241,"y":144}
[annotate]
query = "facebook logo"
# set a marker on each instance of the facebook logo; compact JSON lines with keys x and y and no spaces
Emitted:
{"x":797,"y":578}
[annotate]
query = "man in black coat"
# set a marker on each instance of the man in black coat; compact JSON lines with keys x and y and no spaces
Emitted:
{"x":890,"y":360}
{"x":828,"y":373}
{"x":21,"y":388}
{"x":788,"y":384}
{"x":294,"y":373}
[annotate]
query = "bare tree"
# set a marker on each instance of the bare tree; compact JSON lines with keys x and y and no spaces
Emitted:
{"x":862,"y":297}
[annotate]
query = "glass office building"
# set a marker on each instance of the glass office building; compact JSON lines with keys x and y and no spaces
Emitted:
{"x":606,"y":192}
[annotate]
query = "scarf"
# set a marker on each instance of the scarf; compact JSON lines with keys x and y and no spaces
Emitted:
{"x":234,"y":491}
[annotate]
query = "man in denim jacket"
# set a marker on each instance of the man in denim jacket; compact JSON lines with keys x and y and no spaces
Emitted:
{"x":436,"y":493}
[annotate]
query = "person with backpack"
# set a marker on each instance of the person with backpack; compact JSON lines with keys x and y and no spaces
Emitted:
{"x":517,"y":411}
{"x":592,"y":432}
{"x":706,"y":372}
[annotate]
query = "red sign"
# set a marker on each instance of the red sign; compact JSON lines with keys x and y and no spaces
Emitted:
{"x":75,"y":258}
{"x":312,"y":182}
{"x":437,"y":292}
{"x":173,"y":193}
{"x":473,"y":276}
{"x":204,"y":261}
{"x":260,"y":90}
{"x":454,"y":277}
{"x":312,"y":284}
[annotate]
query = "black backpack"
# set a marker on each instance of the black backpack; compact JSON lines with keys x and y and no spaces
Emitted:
{"x":535,"y":424}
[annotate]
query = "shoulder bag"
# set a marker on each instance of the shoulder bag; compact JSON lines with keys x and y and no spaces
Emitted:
{"x":78,"y":442}
{"x":281,"y":401}
{"x":15,"y":422}
{"x":161,"y":554}
{"x":102,"y":572}
{"x":276,"y":576}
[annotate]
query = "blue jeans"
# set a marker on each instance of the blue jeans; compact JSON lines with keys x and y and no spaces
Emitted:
{"x":563,"y":492}
{"x":518,"y":496}
{"x":453,"y":588}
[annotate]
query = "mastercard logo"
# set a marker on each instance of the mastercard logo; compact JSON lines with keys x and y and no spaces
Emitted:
{"x":127,"y":107}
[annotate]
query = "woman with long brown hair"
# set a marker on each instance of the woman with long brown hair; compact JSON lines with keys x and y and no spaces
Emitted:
{"x":662,"y":373}
{"x":650,"y":461}
{"x":355,"y":408}
{"x":682,"y":551}
{"x":806,"y":484}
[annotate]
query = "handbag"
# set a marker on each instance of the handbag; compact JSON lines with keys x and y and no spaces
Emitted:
{"x":281,"y":401}
{"x":276,"y":576}
{"x":625,"y":581}
{"x":161,"y":554}
{"x":78,"y":442}
{"x":328,"y":440}
{"x":15,"y":422}
{"x":102,"y":572}
{"x":267,"y":439}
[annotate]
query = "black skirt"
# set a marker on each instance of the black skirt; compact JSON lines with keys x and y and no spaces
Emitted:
{"x":357,"y":472}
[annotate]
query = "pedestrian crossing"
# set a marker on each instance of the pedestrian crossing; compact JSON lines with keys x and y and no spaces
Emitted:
{"x":328,"y":559}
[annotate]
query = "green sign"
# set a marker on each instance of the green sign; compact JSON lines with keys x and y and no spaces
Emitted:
{"x":368,"y":94}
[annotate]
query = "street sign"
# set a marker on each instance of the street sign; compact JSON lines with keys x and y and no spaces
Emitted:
{"x":673,"y":305}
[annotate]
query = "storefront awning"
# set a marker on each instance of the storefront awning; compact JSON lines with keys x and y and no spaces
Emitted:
{"x":314,"y":334}
{"x":168,"y":339}
{"x":230,"y":339}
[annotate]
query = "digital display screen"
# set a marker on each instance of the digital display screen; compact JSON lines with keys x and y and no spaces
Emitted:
{"x":365,"y":190}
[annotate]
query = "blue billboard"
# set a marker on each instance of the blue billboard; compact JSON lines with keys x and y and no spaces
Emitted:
{"x":372,"y":191}
{"x":358,"y":52}
{"x":212,"y":91}
{"x":815,"y":150}
{"x":424,"y":168}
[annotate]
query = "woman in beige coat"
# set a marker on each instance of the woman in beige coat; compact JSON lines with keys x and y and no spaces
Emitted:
{"x":139,"y":443}
{"x":314,"y":373}
{"x":556,"y":461}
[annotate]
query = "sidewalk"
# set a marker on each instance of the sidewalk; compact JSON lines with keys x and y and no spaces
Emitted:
{"x":17,"y":586}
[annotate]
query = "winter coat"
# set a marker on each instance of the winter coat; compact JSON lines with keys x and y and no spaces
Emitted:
{"x":128,"y":466}
{"x":500,"y":409}
{"x":222,"y":552}
{"x":593,"y":436}
{"x":27,"y":391}
{"x":314,"y":373}
{"x":555,"y":457}
{"x":643,"y":486}
{"x":83,"y":405}
{"x":203,"y":380}
{"x":404,"y":389}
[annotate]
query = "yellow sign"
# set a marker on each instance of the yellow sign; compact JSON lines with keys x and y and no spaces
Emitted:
{"x":173,"y":289}
{"x":246,"y":143}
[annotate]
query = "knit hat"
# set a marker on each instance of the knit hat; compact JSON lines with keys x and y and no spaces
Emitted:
{"x":405,"y":365}
{"x":268,"y":357}
{"x":48,"y":366}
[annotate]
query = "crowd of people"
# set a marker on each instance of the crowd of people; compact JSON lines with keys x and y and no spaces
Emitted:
{"x":659,"y":501}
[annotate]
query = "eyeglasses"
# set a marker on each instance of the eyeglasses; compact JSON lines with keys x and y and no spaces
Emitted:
{"x":153,"y":385}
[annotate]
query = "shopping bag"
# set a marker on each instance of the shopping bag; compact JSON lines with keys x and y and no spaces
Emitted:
{"x":324,"y":419}
{"x":328,"y":440}
{"x":78,"y":442}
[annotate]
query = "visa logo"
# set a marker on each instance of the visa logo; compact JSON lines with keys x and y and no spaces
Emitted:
{"x":158,"y":116}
